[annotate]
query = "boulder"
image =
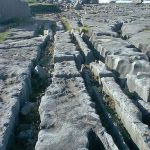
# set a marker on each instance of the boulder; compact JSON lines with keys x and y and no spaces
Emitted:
{"x":17,"y":9}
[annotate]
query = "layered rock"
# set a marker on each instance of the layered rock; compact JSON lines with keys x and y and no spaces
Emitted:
{"x":130,"y":115}
{"x":124,"y":59}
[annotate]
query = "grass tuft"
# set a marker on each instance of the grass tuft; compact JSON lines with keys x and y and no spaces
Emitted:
{"x":3,"y":36}
{"x":66,"y":24}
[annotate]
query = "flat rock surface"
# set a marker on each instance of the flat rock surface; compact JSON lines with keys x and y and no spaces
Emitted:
{"x":17,"y":55}
{"x":66,"y":116}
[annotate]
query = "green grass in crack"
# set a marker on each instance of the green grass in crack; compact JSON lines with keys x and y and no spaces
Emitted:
{"x":3,"y":36}
{"x":66,"y":24}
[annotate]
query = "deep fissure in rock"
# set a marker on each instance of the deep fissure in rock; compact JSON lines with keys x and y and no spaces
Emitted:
{"x":92,"y":85}
{"x":26,"y":132}
{"x":109,"y":106}
{"x":94,"y":142}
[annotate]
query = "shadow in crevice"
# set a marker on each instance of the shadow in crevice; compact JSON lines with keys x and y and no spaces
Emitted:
{"x":94,"y":141}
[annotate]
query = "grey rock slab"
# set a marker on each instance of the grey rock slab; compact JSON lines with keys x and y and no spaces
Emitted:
{"x":66,"y":69}
{"x":109,"y":45}
{"x":67,"y":117}
{"x":140,"y":66}
{"x":140,"y":84}
{"x":99,"y":70}
{"x":21,"y":32}
{"x":141,"y":41}
{"x":16,"y":63}
{"x":37,"y":41}
{"x":127,"y":65}
{"x":130,"y":29}
{"x":102,"y":29}
{"x":129,"y":114}
{"x":88,"y":56}
{"x":64,"y":52}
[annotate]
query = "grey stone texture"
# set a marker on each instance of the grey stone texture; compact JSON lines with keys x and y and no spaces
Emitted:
{"x":66,"y":69}
{"x":18,"y":54}
{"x":99,"y":71}
{"x":120,"y":34}
{"x":87,"y":53}
{"x":65,"y":52}
{"x":126,"y":60}
{"x":12,"y":9}
{"x":67,"y":117}
{"x":141,"y":41}
{"x":129,"y":114}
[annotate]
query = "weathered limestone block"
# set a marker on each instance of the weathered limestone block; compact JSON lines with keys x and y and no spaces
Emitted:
{"x":130,"y":29}
{"x":109,"y":45}
{"x":66,"y":69}
{"x":140,"y":66}
{"x":35,"y":41}
{"x":62,"y":36}
{"x":64,"y":51}
{"x":21,"y":33}
{"x":99,"y":70}
{"x":16,"y":62}
{"x":120,"y":64}
{"x":129,"y":114}
{"x":127,"y":65}
{"x":88,"y":56}
{"x":140,"y":84}
{"x":141,"y":41}
{"x":102,"y":29}
{"x":17,"y":9}
{"x":67,"y":118}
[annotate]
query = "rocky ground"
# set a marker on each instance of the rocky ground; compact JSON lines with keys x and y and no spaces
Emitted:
{"x":79,"y":79}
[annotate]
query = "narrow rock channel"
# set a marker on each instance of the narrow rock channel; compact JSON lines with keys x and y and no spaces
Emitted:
{"x":26,"y":132}
{"x":104,"y":109}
